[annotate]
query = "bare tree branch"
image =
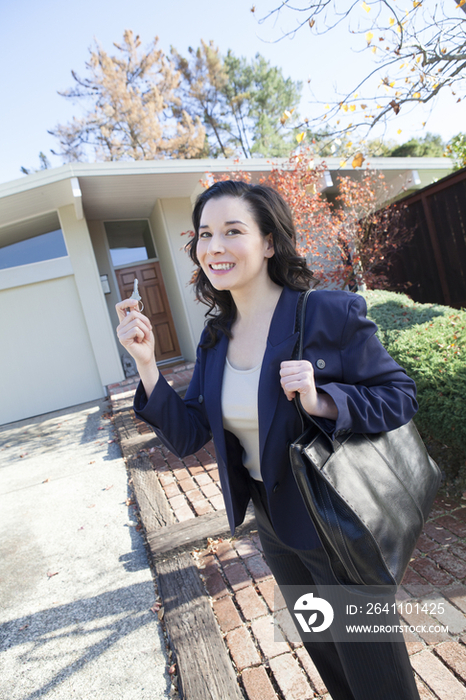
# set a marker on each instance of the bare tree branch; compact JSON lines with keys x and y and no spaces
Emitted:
{"x":415,"y":54}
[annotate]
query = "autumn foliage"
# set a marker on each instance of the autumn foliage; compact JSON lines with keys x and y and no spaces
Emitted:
{"x":347,"y":242}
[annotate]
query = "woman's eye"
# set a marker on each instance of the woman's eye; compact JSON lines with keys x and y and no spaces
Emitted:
{"x":232,"y":231}
{"x":205,"y":234}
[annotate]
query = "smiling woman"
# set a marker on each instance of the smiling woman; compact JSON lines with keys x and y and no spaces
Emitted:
{"x":250,"y":277}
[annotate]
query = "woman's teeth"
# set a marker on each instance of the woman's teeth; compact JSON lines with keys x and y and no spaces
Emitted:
{"x":222,"y":266}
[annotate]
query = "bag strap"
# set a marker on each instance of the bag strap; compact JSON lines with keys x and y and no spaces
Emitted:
{"x":298,"y":355}
{"x":299,"y":324}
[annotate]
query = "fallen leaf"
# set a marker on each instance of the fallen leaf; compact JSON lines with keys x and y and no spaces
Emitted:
{"x":92,"y":506}
{"x":107,"y":488}
{"x":172,"y":669}
{"x":45,"y":481}
{"x":51,"y":573}
{"x":23,"y":628}
{"x":130,"y":502}
{"x":160,"y":613}
{"x":138,"y":527}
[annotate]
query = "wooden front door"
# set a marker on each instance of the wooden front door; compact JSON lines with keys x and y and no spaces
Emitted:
{"x":156,"y":307}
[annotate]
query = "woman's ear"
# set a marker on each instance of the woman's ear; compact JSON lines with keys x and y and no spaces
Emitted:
{"x":270,"y":250}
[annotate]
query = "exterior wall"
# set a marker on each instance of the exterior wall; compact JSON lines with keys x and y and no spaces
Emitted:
{"x":87,"y":279}
{"x":105,"y":266}
{"x":169,"y":218}
{"x":46,"y":356}
{"x":60,"y":348}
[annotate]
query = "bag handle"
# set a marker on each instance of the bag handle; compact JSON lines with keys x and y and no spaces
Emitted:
{"x":298,"y":355}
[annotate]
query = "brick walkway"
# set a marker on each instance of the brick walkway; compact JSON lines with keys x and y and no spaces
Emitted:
{"x":177,"y":375}
{"x":247,"y":608}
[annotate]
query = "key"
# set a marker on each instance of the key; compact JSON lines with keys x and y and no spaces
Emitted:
{"x":137,"y":296}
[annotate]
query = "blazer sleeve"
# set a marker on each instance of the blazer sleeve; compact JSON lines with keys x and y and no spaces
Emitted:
{"x":181,"y":424}
{"x":373,"y":393}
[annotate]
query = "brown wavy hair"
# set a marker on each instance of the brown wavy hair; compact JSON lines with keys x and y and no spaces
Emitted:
{"x":286,"y":268}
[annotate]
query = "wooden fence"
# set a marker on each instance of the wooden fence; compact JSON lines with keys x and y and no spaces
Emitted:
{"x":432,"y":267}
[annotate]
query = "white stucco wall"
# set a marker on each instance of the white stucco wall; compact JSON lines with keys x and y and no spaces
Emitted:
{"x":60,"y":348}
{"x":92,"y":298}
{"x":105,"y":266}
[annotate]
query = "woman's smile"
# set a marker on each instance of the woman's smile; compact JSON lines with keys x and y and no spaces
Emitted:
{"x":221,"y":267}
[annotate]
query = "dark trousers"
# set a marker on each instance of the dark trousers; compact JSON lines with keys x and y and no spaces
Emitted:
{"x":350,"y":670}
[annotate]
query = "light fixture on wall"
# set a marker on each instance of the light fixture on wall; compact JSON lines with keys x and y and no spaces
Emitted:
{"x":105,"y":284}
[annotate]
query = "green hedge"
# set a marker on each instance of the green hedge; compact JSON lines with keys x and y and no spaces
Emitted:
{"x":429,"y":341}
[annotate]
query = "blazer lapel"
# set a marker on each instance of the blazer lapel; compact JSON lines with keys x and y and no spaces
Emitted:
{"x":213,"y":380}
{"x":280,"y":344}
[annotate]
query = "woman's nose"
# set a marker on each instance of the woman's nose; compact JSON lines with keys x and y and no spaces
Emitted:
{"x":216,"y":244}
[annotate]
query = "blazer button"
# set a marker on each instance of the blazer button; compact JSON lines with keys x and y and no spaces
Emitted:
{"x":200,"y":398}
{"x":275,"y":488}
{"x":320,"y":364}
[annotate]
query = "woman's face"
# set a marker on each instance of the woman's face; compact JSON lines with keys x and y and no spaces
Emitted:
{"x":231,"y":249}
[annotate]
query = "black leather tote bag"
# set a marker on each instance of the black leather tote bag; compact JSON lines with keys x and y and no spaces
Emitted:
{"x":368,"y":495}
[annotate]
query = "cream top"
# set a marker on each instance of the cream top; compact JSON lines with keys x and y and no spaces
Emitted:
{"x":240,"y":412}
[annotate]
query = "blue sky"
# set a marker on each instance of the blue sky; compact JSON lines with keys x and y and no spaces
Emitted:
{"x":41,"y":42}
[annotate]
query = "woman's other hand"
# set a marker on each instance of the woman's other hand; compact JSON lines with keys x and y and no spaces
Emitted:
{"x":298,"y":376}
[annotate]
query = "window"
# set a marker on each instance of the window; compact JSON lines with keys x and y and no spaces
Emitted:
{"x":129,"y":241}
{"x":32,"y":242}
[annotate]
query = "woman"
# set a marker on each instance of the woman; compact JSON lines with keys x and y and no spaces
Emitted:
{"x":250,"y":276}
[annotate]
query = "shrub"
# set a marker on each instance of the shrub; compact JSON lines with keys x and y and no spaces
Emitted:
{"x":429,"y":341}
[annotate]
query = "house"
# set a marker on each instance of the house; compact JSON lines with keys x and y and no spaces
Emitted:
{"x":73,"y":239}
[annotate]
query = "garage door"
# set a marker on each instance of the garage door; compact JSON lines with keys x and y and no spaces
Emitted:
{"x":46,"y":358}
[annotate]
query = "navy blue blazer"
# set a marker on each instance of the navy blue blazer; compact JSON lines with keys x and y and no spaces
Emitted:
{"x":371,"y":391}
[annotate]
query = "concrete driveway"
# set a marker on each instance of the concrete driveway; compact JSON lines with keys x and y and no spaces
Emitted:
{"x":75,"y":585}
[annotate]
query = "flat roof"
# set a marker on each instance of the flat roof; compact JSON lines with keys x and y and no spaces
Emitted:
{"x":129,"y":189}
